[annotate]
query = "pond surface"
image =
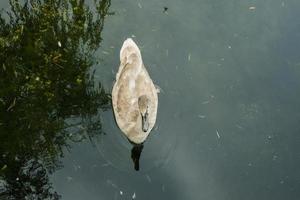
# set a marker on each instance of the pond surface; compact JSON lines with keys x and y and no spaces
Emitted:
{"x":228,"y":117}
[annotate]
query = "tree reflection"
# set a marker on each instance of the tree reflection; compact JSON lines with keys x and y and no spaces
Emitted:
{"x":48,"y":96}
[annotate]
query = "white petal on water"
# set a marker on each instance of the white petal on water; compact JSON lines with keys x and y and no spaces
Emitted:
{"x":59,"y":44}
{"x":121,"y":192}
{"x":218,"y":134}
{"x":133,"y":196}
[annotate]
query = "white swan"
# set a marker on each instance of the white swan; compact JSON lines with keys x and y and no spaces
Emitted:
{"x":134,"y":95}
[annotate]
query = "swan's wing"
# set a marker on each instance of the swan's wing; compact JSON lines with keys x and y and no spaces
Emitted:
{"x":125,"y":104}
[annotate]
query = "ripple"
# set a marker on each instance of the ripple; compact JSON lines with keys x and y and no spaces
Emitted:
{"x":116,"y":149}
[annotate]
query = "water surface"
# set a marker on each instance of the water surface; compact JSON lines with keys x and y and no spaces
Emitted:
{"x":228,"y":118}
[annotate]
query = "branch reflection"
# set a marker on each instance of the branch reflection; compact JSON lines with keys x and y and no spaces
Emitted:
{"x":48,"y":95}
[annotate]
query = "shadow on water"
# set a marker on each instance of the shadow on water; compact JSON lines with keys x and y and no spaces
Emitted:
{"x":48,"y":96}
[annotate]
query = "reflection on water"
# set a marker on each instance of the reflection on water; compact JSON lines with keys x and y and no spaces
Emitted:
{"x":227,"y":127}
{"x":48,"y":97}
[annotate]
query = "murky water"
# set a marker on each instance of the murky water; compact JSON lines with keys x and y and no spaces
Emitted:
{"x":228,"y":116}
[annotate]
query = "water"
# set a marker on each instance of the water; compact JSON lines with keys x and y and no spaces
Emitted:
{"x":228,"y":119}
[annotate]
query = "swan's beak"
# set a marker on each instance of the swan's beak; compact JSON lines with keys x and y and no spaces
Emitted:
{"x":145,"y":122}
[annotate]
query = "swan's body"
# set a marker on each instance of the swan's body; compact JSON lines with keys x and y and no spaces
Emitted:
{"x":134,"y":95}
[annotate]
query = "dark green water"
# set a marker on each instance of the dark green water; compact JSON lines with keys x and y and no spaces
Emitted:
{"x":228,"y":119}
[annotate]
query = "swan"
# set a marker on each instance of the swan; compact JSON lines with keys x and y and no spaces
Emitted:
{"x":134,"y":96}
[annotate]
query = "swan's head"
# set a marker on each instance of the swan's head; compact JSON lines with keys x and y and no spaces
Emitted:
{"x":144,"y":103}
{"x":130,"y":53}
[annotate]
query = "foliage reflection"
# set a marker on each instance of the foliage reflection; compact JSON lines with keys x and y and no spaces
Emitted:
{"x":48,"y":97}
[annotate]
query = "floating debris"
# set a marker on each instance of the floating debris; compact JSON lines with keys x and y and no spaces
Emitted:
{"x":158,"y":89}
{"x":133,"y":196}
{"x":205,"y":102}
{"x":109,"y":182}
{"x":229,"y":47}
{"x":17,"y":179}
{"x":270,"y":137}
{"x":165,"y":9}
{"x":59,"y":44}
{"x":240,"y":127}
{"x":218,"y":134}
{"x":252,"y":8}
{"x":139,"y":4}
{"x":148,"y":178}
{"x":121,"y":192}
{"x":274,"y":157}
{"x":202,"y":116}
{"x":163,"y":188}
{"x":105,"y":165}
{"x":105,"y":52}
{"x":189,"y":57}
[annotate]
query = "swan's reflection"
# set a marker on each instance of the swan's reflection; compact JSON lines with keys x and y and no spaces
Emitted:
{"x":136,"y":154}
